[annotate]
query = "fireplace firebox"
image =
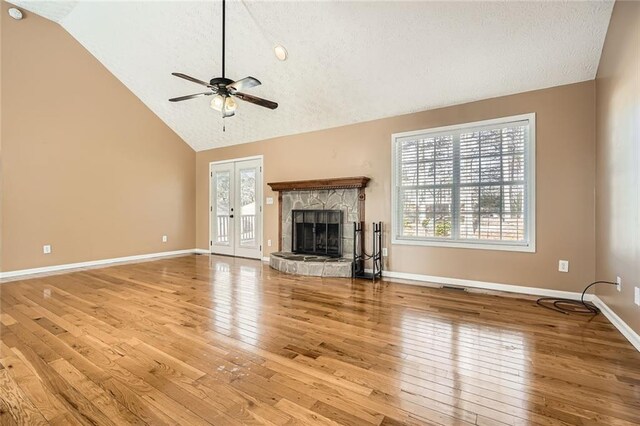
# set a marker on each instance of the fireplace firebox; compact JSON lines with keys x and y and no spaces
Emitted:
{"x":317,"y":232}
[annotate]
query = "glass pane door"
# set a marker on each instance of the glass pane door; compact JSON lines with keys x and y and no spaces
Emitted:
{"x":222,"y":179}
{"x":248,"y":207}
{"x":223,"y":191}
{"x":236,"y":209}
{"x":248,"y":197}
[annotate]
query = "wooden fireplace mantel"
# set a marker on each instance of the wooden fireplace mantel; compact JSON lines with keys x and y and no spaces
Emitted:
{"x":356,"y":182}
{"x":317,"y":184}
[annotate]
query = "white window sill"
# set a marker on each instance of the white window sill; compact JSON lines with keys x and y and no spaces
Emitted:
{"x":526,"y":248}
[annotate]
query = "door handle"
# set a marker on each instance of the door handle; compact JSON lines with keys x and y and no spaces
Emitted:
{"x":231,"y":216}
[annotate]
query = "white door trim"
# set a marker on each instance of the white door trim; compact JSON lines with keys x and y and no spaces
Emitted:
{"x":235,"y":160}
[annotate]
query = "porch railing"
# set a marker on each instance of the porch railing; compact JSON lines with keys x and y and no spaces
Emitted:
{"x":247,"y":228}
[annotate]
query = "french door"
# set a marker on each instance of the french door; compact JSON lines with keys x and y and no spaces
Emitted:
{"x":236,"y":208}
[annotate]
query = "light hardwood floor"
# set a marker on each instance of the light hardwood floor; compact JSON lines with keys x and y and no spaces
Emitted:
{"x":200,"y":339}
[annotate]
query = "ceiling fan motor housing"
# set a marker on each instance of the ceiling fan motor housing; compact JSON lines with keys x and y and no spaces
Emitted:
{"x":220,"y":81}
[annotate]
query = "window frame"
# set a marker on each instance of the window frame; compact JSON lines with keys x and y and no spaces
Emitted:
{"x":529,"y":245}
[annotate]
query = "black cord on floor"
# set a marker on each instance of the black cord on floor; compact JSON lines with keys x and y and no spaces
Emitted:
{"x":570,"y":306}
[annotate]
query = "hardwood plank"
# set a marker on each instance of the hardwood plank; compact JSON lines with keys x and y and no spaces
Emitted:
{"x":15,"y":406}
{"x":46,"y":402}
{"x":94,"y":393}
{"x":303,"y":415}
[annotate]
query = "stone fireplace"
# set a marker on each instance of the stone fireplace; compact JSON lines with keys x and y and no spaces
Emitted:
{"x":342,"y":200}
{"x":316,"y":225}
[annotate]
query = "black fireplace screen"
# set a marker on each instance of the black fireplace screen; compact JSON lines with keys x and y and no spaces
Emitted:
{"x":317,"y":232}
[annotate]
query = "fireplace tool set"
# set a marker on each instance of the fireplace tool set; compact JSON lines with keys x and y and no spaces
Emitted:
{"x":360,"y":256}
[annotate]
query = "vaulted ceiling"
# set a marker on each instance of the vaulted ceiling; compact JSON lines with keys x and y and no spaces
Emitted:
{"x":348,"y":61}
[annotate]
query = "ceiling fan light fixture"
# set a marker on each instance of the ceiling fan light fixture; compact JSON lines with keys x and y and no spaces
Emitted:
{"x":220,"y":101}
{"x":281,"y":52}
{"x":217,"y":102}
{"x":230,"y":104}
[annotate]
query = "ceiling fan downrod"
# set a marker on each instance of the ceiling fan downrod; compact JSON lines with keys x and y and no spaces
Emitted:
{"x":224,"y":20}
{"x":223,"y":33}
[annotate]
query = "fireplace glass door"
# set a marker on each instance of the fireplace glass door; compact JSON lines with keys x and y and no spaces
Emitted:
{"x":317,"y":232}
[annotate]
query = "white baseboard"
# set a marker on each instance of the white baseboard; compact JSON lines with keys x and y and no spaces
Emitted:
{"x":535,"y":291}
{"x":55,"y":268}
{"x":632,"y":336}
{"x":205,"y":251}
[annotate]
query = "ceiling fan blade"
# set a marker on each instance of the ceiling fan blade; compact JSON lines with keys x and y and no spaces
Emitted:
{"x":245,"y":83}
{"x":184,"y":98}
{"x":256,"y":100}
{"x":193,"y":80}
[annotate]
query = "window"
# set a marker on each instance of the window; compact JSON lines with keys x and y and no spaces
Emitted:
{"x":469,"y":185}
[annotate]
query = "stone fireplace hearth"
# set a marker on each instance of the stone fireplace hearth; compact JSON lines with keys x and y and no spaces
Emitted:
{"x":315,"y":266}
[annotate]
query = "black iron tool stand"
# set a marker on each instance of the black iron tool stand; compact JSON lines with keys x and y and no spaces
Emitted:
{"x":360,"y":256}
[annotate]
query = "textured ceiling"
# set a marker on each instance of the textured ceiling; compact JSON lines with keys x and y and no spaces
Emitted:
{"x":348,"y":61}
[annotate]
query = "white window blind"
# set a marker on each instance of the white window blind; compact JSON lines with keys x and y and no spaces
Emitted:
{"x":470,"y":185}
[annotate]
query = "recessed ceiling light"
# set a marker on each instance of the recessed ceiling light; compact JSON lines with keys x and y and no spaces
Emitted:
{"x":15,"y":13}
{"x":281,"y":52}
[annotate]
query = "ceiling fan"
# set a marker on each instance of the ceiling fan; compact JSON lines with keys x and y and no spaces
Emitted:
{"x":224,"y":89}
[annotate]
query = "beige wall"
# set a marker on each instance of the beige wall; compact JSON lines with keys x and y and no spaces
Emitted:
{"x":565,"y":182}
{"x":86,"y":167}
{"x":618,"y":161}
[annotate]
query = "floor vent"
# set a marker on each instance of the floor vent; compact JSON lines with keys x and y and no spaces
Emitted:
{"x":451,"y":287}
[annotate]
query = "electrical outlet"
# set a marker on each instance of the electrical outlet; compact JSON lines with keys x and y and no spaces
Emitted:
{"x":563,"y":266}
{"x":269,"y":243}
{"x":384,"y":252}
{"x":619,"y":282}
{"x":269,"y":200}
{"x":46,"y":249}
{"x":636,"y":298}
{"x":164,"y":239}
